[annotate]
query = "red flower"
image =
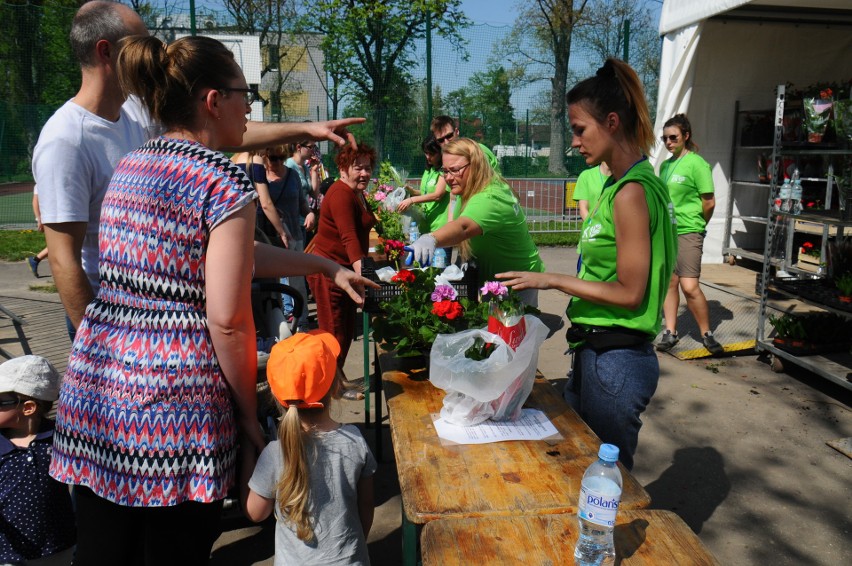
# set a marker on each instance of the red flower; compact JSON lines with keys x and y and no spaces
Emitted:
{"x":807,"y":245}
{"x":404,"y":276}
{"x":450,"y":310}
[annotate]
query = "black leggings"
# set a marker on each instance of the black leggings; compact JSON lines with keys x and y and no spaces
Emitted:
{"x":109,"y":534}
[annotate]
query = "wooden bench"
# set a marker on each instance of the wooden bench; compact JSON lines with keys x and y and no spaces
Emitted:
{"x":486,"y":480}
{"x":647,"y":537}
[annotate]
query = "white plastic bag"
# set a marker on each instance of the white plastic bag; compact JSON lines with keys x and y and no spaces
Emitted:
{"x":495,"y":388}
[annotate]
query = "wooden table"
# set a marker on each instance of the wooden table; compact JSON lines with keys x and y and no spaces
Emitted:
{"x":486,"y":480}
{"x":641,"y":538}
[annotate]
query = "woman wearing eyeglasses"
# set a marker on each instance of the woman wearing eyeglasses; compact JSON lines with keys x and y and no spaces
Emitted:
{"x":489,"y":224}
{"x":629,"y":249}
{"x":162,"y":376}
{"x":690,"y":183}
{"x":343,"y":237}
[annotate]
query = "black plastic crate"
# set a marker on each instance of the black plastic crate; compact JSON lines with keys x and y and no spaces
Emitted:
{"x":467,"y":287}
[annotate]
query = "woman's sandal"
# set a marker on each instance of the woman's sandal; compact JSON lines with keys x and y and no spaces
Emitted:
{"x":352,"y":395}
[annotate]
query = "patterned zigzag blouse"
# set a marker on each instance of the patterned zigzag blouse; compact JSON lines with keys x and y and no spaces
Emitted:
{"x":144,"y":415}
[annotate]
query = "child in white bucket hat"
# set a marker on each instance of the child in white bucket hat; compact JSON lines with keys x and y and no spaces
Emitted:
{"x":38,"y":520}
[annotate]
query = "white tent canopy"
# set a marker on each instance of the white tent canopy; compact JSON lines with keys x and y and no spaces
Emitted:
{"x":718,"y":52}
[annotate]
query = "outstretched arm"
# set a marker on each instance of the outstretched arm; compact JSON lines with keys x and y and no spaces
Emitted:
{"x":270,"y":261}
{"x":264,"y":134}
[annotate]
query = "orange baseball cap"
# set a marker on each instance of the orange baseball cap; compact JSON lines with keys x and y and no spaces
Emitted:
{"x":301,"y":368}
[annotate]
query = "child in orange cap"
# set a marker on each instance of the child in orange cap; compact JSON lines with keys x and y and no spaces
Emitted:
{"x":318,"y":475}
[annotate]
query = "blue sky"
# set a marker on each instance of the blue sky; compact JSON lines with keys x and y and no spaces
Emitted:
{"x":494,"y":12}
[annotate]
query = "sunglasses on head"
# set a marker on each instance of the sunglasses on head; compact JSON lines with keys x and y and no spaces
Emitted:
{"x":673,"y":138}
{"x":275,"y":158}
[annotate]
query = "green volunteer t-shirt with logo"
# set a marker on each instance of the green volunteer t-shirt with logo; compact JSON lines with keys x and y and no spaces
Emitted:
{"x":599,"y":255}
{"x":505,"y":243}
{"x":687,"y":179}
{"x":434,"y":212}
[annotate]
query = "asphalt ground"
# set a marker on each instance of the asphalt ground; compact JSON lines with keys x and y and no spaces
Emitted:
{"x":736,"y":450}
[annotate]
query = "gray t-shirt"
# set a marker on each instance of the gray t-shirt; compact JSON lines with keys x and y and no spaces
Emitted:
{"x":337,"y":461}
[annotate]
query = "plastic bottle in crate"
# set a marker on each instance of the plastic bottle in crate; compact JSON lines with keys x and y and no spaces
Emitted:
{"x":600,"y":495}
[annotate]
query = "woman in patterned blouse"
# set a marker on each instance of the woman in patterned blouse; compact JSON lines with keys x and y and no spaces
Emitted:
{"x":161,"y":378}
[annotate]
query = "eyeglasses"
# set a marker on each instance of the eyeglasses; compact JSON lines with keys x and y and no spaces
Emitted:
{"x":13,"y":402}
{"x":311,"y":146}
{"x":454,"y":172}
{"x":249,"y":94}
{"x":672,"y":138}
{"x":275,"y":158}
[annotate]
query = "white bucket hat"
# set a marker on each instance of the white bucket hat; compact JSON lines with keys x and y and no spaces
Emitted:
{"x":32,"y":376}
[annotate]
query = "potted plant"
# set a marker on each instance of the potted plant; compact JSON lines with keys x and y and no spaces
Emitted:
{"x":427,"y":306}
{"x":809,"y":257}
{"x":789,"y":331}
{"x":844,"y":287}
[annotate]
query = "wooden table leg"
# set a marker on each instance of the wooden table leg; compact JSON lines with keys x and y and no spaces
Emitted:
{"x":378,"y":402}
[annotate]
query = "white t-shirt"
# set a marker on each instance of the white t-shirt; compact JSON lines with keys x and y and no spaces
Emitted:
{"x":73,"y":163}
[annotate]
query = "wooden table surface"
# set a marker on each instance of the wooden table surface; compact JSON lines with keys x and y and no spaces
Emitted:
{"x":503,"y":478}
{"x":646,"y":537}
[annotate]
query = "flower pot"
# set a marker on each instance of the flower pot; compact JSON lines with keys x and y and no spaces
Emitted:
{"x":844,"y":299}
{"x":817,"y":114}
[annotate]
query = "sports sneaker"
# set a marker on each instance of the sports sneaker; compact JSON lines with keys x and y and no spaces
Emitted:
{"x":712,"y":344}
{"x":668,"y":341}
{"x":33,"y":261}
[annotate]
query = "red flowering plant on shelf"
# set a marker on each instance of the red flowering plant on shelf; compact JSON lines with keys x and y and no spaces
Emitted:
{"x":809,"y":249}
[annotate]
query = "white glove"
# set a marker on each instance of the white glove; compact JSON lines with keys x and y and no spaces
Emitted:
{"x":423,"y":249}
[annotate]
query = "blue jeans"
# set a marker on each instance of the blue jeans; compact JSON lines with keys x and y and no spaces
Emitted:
{"x":612,"y":388}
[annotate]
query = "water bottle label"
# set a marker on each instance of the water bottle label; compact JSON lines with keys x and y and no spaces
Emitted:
{"x":598,"y":508}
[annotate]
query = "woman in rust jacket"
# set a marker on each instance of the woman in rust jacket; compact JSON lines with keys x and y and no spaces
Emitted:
{"x":342,"y":236}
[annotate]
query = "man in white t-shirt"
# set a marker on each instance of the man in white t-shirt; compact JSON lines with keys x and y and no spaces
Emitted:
{"x":83,"y":141}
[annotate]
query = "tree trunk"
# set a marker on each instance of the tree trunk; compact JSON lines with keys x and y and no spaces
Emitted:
{"x":558,"y":89}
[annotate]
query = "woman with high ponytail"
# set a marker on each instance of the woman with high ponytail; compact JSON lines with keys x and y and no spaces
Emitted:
{"x":629,"y":246}
{"x":162,"y":376}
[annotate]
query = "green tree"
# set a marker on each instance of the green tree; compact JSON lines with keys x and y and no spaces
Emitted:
{"x":37,"y":74}
{"x":603,"y":34}
{"x":368,"y":42}
{"x":484,"y":107}
{"x":539,"y":48}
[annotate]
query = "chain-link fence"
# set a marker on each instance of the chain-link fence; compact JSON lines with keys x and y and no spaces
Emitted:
{"x":472,"y":73}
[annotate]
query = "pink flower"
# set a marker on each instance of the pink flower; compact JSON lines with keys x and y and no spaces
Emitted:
{"x":444,"y":292}
{"x":379,"y":196}
{"x":495,"y":288}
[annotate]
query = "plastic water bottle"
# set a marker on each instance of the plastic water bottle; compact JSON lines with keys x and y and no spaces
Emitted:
{"x":440,"y":258}
{"x":413,"y":232}
{"x":796,"y":194}
{"x":600,"y":495}
{"x":782,"y":203}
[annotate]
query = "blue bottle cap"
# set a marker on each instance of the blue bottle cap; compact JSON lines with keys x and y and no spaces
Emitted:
{"x":608,"y":453}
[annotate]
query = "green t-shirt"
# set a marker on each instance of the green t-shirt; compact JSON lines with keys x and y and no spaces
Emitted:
{"x":490,"y":158}
{"x":687,"y":179}
{"x":599,"y":256}
{"x":589,"y":185}
{"x":505,"y":243}
{"x":434,"y":212}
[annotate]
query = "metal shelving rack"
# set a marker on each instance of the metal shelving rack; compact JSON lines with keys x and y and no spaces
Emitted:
{"x":835,"y":367}
{"x":748,"y":213}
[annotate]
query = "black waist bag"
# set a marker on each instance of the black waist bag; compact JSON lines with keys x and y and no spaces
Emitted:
{"x":600,"y":338}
